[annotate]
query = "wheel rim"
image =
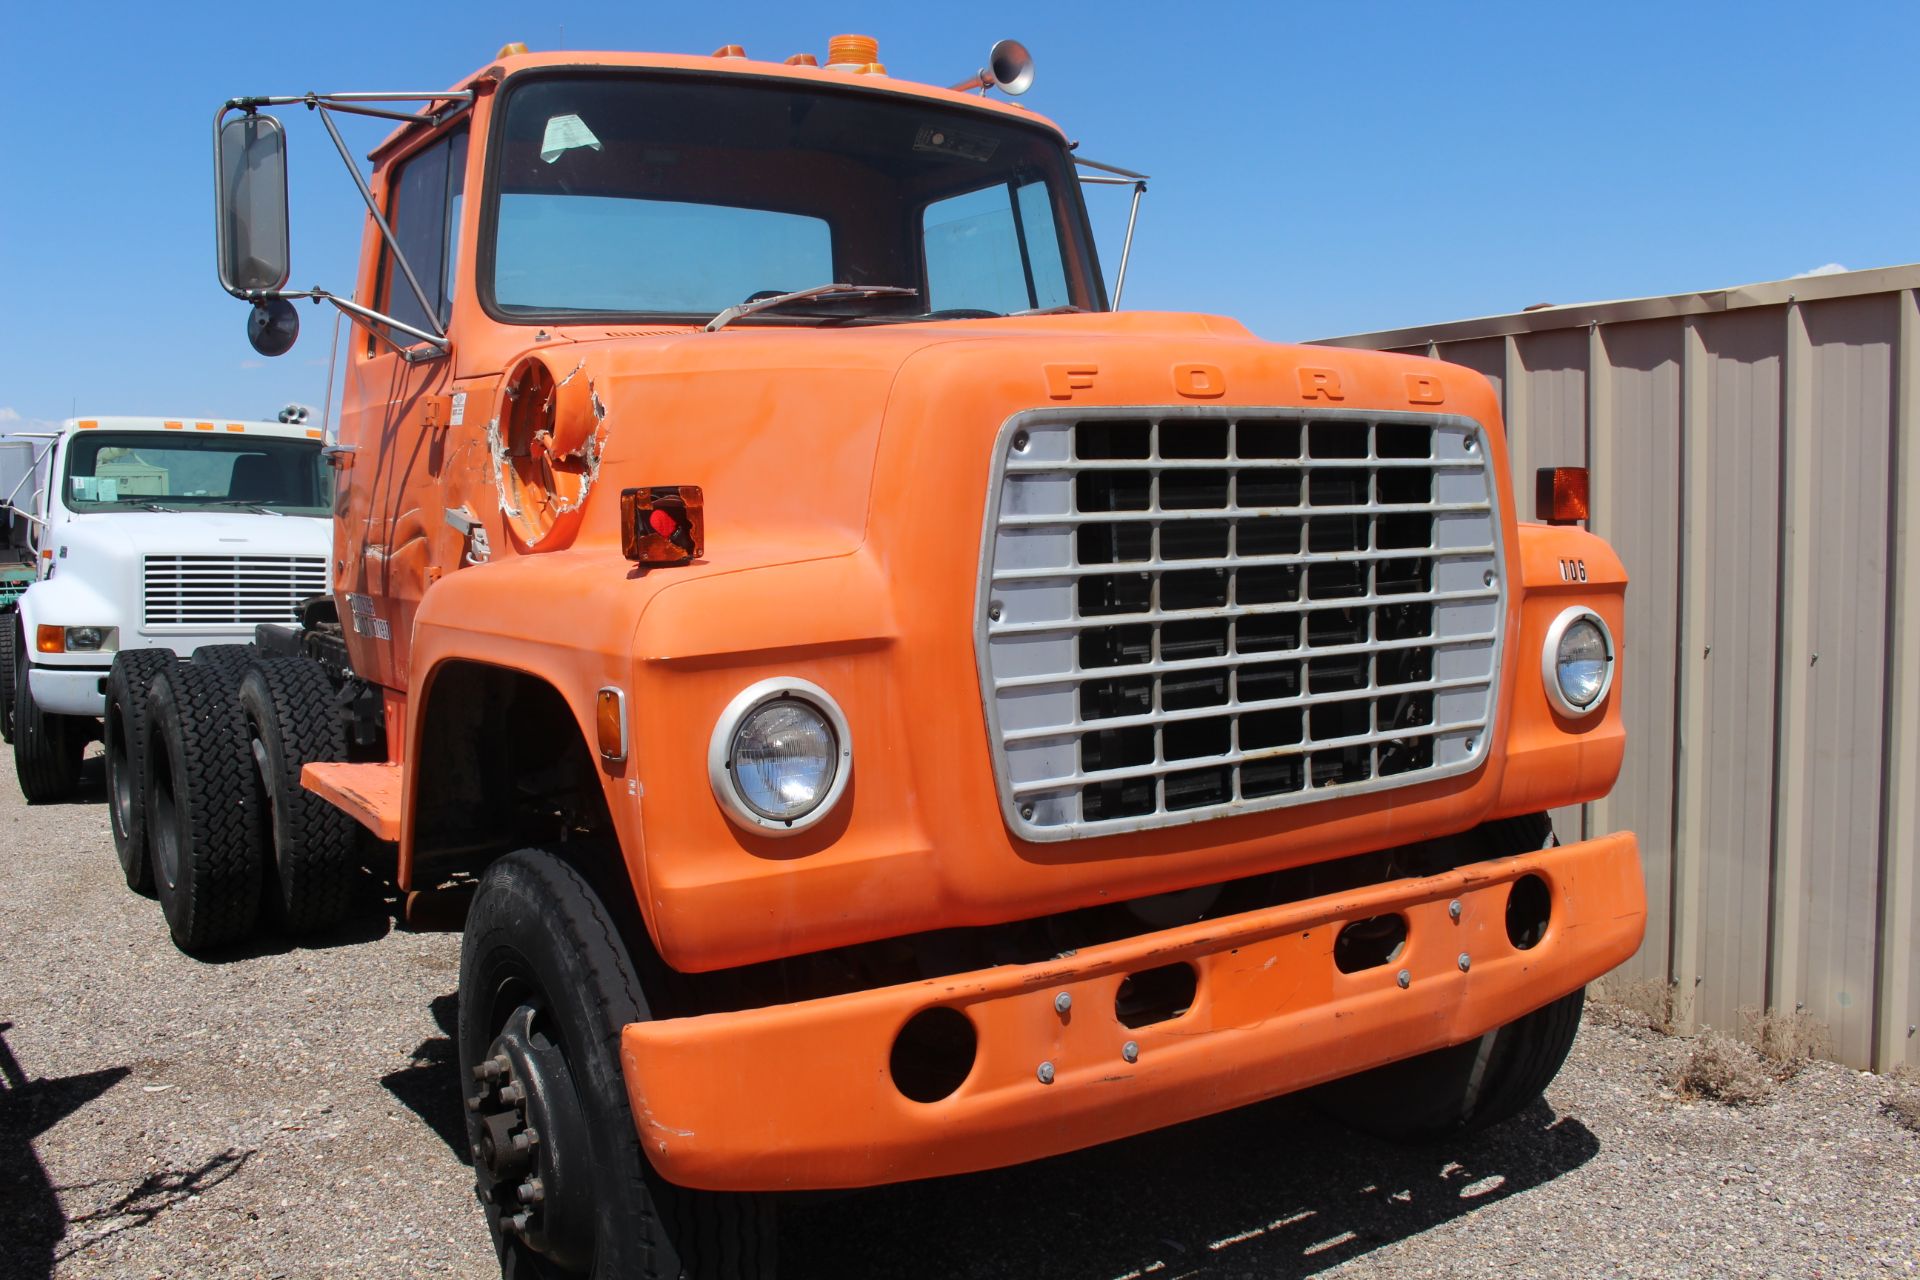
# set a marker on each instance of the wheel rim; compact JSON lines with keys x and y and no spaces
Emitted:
{"x":530,"y":1138}
{"x":119,"y":781}
{"x":163,"y":840}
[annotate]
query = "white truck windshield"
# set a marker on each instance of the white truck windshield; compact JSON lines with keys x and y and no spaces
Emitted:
{"x":146,"y":471}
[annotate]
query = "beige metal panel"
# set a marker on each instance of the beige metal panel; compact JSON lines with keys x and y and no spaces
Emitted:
{"x":1756,"y":460}
{"x":1775,"y":293}
{"x":1546,"y":409}
{"x":1899,"y":995}
{"x":1724,"y":819}
{"x":1828,"y":843}
{"x":1485,"y":356}
{"x":1635,"y":402}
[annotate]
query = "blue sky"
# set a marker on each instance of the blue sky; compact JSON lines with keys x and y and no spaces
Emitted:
{"x":1319,"y":168}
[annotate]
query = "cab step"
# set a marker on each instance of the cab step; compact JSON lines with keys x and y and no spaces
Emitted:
{"x":370,"y":793}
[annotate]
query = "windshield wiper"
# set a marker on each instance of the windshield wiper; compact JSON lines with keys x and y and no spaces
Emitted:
{"x":1064,"y":309}
{"x":244,"y":505}
{"x":739,"y":309}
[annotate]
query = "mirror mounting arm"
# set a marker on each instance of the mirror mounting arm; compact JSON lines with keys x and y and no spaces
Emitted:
{"x":427,"y":309}
{"x":1118,"y":178}
{"x":438,"y":345}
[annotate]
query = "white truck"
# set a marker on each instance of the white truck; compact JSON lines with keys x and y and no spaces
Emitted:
{"x":155,"y":539}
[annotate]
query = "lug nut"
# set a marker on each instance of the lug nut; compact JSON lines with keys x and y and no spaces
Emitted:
{"x":1466,"y":962}
{"x":476,"y":1101}
{"x":519,"y":1222}
{"x":513,"y":1095}
{"x":1130,"y":1051}
{"x":1062,"y":1002}
{"x":532,"y":1191}
{"x":1045,"y":1073}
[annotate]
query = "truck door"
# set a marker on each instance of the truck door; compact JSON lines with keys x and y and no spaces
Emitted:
{"x":386,"y":520}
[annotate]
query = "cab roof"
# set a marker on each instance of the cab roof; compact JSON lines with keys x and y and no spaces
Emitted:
{"x":223,"y":426}
{"x":718,"y":65}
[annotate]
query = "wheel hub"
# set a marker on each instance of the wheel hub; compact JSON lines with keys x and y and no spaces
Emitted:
{"x":530,"y":1143}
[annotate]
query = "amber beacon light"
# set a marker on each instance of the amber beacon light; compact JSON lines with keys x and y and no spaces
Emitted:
{"x":663,"y":524}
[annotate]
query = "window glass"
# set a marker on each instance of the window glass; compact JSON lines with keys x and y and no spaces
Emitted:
{"x":424,"y":214}
{"x":625,"y":194}
{"x":134,"y":471}
{"x":974,"y":248}
{"x":608,"y":253}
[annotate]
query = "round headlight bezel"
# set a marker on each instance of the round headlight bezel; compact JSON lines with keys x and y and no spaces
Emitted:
{"x":1550,"y":662}
{"x":720,"y":747}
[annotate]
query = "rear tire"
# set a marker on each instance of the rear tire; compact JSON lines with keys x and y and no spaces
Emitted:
{"x":203,"y":826}
{"x":288,"y":707}
{"x":128,"y":705}
{"x":231,"y":660}
{"x":47,"y":748}
{"x":546,"y":985}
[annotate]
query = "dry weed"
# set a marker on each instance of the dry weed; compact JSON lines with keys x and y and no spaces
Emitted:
{"x":1644,"y":1005}
{"x":1787,"y":1040}
{"x":1719,"y":1068}
{"x":1903,"y":1108}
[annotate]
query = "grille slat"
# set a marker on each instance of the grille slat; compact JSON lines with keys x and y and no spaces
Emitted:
{"x":214,"y":591}
{"x":1190,"y":613}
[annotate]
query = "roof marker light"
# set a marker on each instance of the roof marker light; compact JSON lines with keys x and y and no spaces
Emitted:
{"x":511,"y":48}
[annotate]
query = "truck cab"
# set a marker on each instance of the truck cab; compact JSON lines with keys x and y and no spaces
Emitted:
{"x":154,"y":534}
{"x":878,"y":711}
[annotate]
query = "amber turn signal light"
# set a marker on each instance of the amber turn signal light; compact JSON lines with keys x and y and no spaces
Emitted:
{"x":610,"y":724}
{"x":1560,"y":495}
{"x":50,"y":639}
{"x":663,"y":524}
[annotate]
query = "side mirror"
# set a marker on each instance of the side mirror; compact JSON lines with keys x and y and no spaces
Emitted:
{"x":272,"y":327}
{"x":250,"y":164}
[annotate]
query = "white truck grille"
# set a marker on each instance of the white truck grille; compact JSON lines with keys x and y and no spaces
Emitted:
{"x":1188,"y":613}
{"x":219,"y":591}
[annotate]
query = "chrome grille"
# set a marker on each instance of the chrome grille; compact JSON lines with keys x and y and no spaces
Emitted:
{"x":219,"y":591}
{"x":1188,"y":613}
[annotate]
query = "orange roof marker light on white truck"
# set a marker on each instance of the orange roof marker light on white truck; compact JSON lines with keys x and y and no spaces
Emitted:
{"x":863,"y":695}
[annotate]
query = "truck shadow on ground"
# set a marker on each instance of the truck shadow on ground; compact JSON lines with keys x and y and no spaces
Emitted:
{"x":429,"y":1086}
{"x":1273,"y":1190}
{"x":373,"y":911}
{"x":32,"y":1223}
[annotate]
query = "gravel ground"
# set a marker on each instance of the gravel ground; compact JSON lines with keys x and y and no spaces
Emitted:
{"x":291,"y":1112}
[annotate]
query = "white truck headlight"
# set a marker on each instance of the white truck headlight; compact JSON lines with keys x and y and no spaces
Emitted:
{"x":92,"y":639}
{"x":1576,"y":663}
{"x":780,"y":756}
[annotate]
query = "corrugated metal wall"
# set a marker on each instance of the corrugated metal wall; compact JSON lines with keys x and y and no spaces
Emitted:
{"x":1755,"y":456}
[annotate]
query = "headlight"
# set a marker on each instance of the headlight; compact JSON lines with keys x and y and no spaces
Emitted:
{"x":91,"y":639}
{"x":1576,"y":664}
{"x":780,"y":756}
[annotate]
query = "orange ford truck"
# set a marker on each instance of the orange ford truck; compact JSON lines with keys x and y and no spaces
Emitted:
{"x":877,"y":710}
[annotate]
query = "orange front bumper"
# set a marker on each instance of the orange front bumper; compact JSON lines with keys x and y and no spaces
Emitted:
{"x":800,"y":1096}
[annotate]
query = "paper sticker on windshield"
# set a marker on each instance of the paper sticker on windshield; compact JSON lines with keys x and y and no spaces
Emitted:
{"x":564,"y":134}
{"x":968,"y":146}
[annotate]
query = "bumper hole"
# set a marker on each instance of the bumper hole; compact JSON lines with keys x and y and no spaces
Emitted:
{"x":933,"y":1054}
{"x":1155,"y":995}
{"x":1370,"y":943}
{"x":1529,"y":907}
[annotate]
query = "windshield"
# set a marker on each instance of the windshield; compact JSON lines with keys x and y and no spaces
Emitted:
{"x":147,"y":471}
{"x":679,"y":197}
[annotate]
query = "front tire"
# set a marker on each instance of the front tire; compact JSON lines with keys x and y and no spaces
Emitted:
{"x":127,"y":730}
{"x":203,"y":827}
{"x":545,"y":988}
{"x":1463,"y":1089}
{"x":47,"y":748}
{"x":8,"y":631}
